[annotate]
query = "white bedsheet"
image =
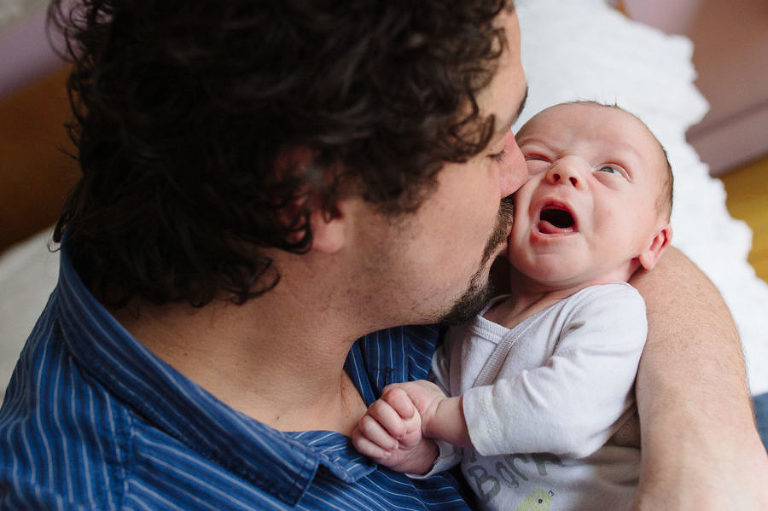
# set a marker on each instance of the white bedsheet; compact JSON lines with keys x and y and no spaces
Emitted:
{"x":580,"y":49}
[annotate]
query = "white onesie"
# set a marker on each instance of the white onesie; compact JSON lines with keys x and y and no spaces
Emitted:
{"x":542,"y":399}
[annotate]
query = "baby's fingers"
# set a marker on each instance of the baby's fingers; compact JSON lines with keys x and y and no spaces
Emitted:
{"x":389,"y":418}
{"x":400,"y":402}
{"x":370,"y":449}
{"x":370,"y":438}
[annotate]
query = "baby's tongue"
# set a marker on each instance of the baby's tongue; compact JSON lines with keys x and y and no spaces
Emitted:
{"x":555,"y":221}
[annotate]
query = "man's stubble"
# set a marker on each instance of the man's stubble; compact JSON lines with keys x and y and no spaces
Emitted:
{"x":479,"y":290}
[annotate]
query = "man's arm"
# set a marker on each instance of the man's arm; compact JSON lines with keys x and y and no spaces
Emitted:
{"x":700,"y":447}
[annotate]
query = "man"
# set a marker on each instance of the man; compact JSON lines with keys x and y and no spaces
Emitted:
{"x":263,"y":184}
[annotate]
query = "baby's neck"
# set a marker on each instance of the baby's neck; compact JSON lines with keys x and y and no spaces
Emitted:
{"x":522,"y":304}
{"x":529,"y":297}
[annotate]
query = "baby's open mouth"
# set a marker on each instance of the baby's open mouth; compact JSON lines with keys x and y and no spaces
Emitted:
{"x":556,"y":219}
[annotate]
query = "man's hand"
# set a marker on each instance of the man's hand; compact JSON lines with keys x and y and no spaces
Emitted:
{"x":390,"y":433}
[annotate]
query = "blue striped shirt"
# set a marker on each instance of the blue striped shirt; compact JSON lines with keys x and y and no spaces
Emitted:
{"x":93,"y":420}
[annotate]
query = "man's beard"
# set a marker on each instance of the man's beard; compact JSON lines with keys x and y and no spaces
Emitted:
{"x":479,"y":290}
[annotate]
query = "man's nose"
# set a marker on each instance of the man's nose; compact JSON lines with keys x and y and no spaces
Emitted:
{"x":566,"y":171}
{"x":514,"y":169}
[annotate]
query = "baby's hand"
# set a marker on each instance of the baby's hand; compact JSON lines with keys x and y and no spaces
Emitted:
{"x":390,"y":434}
{"x":425,"y":396}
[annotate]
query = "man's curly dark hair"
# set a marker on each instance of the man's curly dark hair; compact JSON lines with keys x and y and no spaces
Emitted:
{"x":187,"y":114}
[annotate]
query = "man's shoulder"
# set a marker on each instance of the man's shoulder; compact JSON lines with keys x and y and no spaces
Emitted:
{"x":64,"y":440}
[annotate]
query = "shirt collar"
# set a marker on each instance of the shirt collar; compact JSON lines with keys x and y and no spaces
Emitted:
{"x":282,"y":464}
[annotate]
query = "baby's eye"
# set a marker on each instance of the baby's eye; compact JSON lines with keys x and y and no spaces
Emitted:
{"x":612,"y":169}
{"x":535,"y":157}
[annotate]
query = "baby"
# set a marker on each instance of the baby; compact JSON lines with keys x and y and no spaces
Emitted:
{"x":543,"y":377}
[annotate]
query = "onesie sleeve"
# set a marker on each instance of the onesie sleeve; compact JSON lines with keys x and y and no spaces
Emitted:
{"x":438,"y":373}
{"x":574,"y":402}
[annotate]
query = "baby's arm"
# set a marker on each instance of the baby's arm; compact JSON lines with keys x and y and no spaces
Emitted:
{"x":397,"y":430}
{"x":572,"y":404}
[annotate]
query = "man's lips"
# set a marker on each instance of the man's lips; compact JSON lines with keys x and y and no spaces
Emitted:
{"x":556,"y":217}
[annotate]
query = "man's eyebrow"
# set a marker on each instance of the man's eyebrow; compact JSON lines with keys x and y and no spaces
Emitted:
{"x":522,"y":107}
{"x":504,"y":128}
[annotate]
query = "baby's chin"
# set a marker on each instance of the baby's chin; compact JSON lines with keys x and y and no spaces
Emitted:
{"x":545,"y":277}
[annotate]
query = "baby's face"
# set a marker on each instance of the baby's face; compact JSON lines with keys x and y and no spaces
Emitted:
{"x":589,"y":207}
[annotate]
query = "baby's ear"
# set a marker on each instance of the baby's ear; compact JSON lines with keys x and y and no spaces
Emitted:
{"x":650,"y":256}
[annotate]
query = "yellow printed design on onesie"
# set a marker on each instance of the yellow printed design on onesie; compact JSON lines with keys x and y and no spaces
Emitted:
{"x":537,"y":500}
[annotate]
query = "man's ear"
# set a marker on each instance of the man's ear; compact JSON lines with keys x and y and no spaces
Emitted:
{"x":650,"y":256}
{"x":328,"y":228}
{"x":327,"y":225}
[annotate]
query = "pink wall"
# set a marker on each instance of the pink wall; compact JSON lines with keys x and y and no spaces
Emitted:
{"x":731,"y":56}
{"x":25,"y":53}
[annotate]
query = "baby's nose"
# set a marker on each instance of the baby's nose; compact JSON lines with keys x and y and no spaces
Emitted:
{"x":565,"y":173}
